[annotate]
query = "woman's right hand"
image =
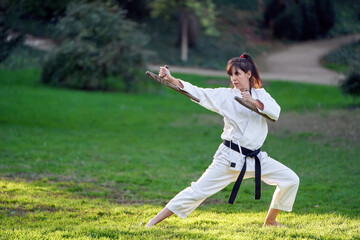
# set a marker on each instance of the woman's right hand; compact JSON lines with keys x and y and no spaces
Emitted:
{"x":165,"y":73}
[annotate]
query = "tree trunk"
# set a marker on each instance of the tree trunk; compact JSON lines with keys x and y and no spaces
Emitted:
{"x":184,"y":36}
{"x":261,"y":6}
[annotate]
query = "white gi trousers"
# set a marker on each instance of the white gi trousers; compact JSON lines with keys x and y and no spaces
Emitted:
{"x":219,"y":174}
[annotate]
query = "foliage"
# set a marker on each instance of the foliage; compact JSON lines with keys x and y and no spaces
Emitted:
{"x":37,"y":9}
{"x":35,"y":17}
{"x":347,"y":17}
{"x":39,"y":17}
{"x":250,"y":5}
{"x":209,"y":52}
{"x":299,"y":20}
{"x":7,"y":41}
{"x":97,"y":45}
{"x":351,"y":84}
{"x":344,"y":57}
{"x":23,"y":57}
{"x":203,"y":10}
{"x":138,"y":9}
{"x":289,"y":23}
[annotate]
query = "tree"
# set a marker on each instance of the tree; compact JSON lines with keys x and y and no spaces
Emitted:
{"x":189,"y":11}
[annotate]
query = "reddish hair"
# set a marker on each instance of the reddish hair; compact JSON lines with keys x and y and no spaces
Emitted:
{"x":245,"y":63}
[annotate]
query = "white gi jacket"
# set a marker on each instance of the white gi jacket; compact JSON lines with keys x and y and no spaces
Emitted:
{"x":241,"y":125}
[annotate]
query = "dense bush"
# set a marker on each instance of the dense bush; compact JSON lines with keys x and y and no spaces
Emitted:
{"x":36,"y":9}
{"x":100,"y":50}
{"x":351,"y":84}
{"x":347,"y":17}
{"x":343,"y":57}
{"x":299,"y":19}
{"x":348,"y":54}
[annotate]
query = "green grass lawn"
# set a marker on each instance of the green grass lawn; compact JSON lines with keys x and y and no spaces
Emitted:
{"x":89,"y":165}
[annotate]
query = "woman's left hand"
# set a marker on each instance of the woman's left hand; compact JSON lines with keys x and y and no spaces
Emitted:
{"x":247,"y":96}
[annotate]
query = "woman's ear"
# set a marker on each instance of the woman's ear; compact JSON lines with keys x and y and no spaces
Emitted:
{"x":248,"y":74}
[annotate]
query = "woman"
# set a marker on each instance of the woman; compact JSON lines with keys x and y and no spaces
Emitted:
{"x":239,"y":156}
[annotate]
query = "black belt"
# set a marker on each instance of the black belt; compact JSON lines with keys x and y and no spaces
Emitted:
{"x":247,"y":153}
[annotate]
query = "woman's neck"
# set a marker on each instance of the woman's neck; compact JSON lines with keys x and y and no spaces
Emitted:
{"x":244,"y":87}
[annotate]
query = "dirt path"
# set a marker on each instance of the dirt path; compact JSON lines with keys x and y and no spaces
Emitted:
{"x":298,"y":62}
{"x":301,"y":62}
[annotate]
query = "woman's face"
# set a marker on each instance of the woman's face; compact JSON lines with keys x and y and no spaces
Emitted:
{"x":239,"y":78}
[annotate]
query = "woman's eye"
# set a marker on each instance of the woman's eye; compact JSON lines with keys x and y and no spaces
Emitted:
{"x":236,"y":73}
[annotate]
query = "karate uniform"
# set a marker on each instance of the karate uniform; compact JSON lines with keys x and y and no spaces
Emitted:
{"x":247,"y":129}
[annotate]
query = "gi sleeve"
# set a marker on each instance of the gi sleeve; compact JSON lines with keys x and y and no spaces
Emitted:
{"x":271,"y":108}
{"x":210,"y":98}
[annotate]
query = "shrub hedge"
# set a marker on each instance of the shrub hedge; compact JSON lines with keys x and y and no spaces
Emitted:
{"x":351,"y":84}
{"x":301,"y":19}
{"x":96,"y":45}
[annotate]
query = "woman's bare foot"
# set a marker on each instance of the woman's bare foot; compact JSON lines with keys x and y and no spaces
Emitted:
{"x":273,"y":224}
{"x":165,"y":213}
{"x":270,"y":219}
{"x":149,"y":224}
